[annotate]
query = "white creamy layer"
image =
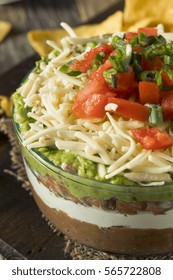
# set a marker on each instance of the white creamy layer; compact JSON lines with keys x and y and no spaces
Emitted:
{"x":97,"y":216}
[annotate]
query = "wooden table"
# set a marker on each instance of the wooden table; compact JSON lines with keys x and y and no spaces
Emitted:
{"x":41,"y":14}
{"x":21,"y":224}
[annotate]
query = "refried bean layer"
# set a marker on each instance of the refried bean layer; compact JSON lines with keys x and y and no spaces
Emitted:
{"x":130,"y":208}
{"x":113,"y":239}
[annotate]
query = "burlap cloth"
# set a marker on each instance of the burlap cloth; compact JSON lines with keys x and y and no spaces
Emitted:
{"x":76,"y":250}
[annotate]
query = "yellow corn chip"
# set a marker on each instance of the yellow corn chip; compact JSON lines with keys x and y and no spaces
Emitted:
{"x":38,"y":38}
{"x":5,"y":28}
{"x":152,"y":12}
{"x":137,"y":13}
{"x":5,"y":105}
{"x":144,"y":22}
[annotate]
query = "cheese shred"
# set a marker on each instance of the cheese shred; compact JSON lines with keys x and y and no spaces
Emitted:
{"x":108,"y":142}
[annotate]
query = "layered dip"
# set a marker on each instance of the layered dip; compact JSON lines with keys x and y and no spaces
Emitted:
{"x":94,"y":120}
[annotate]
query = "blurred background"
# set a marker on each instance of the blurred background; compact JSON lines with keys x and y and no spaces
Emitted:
{"x":26,"y":15}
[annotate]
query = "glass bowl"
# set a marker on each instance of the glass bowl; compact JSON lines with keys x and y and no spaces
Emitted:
{"x":121,"y":219}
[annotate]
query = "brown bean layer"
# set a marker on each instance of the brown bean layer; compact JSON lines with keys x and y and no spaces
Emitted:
{"x":130,"y":208}
{"x":114,"y":239}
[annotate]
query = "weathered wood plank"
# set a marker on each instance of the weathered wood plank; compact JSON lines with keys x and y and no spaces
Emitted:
{"x":9,"y":253}
{"x":27,"y":15}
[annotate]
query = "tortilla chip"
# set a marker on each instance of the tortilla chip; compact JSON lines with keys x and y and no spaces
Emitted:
{"x":5,"y":106}
{"x":144,"y":22}
{"x":137,"y":13}
{"x":38,"y":38}
{"x":152,"y":12}
{"x":5,"y":28}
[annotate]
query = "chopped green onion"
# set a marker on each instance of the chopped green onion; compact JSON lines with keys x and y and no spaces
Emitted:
{"x":137,"y":68}
{"x":143,"y":39}
{"x":149,"y":75}
{"x":66,"y":69}
{"x":168,"y":59}
{"x":169,"y":49}
{"x":154,"y":50}
{"x":110,"y":77}
{"x":118,"y":42}
{"x":156,"y":40}
{"x":90,"y":44}
{"x":128,"y":51}
{"x":119,"y":62}
{"x":169,"y":72}
{"x":98,"y":60}
{"x":135,"y":41}
{"x":171,"y":124}
{"x":136,"y":56}
{"x":155,"y":114}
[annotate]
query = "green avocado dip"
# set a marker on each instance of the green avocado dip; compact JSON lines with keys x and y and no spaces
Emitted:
{"x":67,"y":160}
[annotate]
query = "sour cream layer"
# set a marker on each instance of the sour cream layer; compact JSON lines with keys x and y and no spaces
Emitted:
{"x":97,"y":216}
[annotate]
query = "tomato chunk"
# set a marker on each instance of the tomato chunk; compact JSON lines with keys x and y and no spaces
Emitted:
{"x":91,"y":100}
{"x":130,"y":109}
{"x":154,"y":64}
{"x":152,"y":138}
{"x":149,"y":31}
{"x":129,"y":36}
{"x":167,"y":105}
{"x":138,"y":49}
{"x":85,"y":64}
{"x":98,"y":74}
{"x":126,"y":81}
{"x":91,"y":106}
{"x":149,"y":92}
{"x":166,"y":80}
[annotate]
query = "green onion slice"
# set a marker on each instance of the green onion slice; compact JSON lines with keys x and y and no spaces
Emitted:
{"x":155,"y":115}
{"x":110,"y":77}
{"x":121,"y":60}
{"x":169,"y":72}
{"x":150,"y":52}
{"x":98,"y":60}
{"x":149,"y":75}
{"x":91,"y":44}
{"x":66,"y":69}
{"x":171,"y":124}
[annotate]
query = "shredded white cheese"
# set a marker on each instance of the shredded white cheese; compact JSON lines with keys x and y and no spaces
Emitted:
{"x":108,"y":142}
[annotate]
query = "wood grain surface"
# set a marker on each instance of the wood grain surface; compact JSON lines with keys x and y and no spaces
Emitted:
{"x":21,"y":224}
{"x":43,"y":14}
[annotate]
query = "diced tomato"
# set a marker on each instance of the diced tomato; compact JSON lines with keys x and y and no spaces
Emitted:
{"x":98,"y":74}
{"x":87,"y":104}
{"x":167,"y":105}
{"x":138,"y":49}
{"x":126,"y":81}
{"x":166,"y":80}
{"x":165,"y":94}
{"x":149,"y":31}
{"x":129,"y":36}
{"x":130,"y":109}
{"x":91,"y":106}
{"x":154,"y":64}
{"x":152,"y":138}
{"x":85,"y":64}
{"x":94,"y":106}
{"x":149,"y":92}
